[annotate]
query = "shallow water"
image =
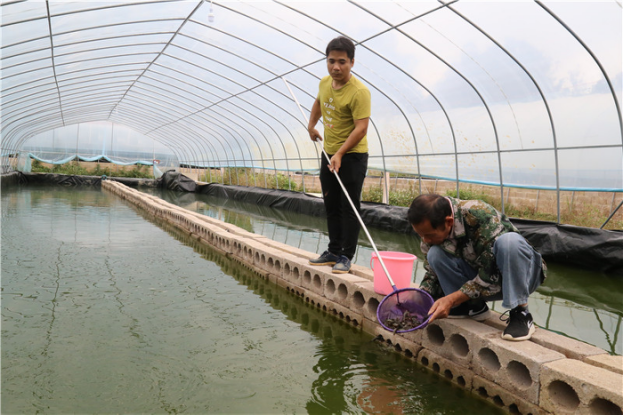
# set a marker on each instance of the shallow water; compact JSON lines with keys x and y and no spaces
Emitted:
{"x":578,"y":303}
{"x":106,"y":311}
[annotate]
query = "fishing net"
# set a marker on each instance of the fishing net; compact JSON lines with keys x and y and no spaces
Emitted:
{"x":404,"y":310}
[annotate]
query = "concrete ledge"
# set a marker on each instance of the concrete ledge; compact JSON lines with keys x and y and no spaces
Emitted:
{"x":516,"y":365}
{"x":499,"y":396}
{"x":455,"y":339}
{"x":571,"y":348}
{"x":606,"y":361}
{"x":572,"y":387}
{"x":455,"y":373}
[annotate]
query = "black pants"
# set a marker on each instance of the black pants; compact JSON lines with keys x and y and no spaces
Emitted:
{"x":341,"y":220}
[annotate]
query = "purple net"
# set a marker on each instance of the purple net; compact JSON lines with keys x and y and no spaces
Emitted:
{"x":404,"y":310}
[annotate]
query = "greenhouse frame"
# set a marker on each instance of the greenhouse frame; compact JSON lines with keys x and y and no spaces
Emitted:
{"x":520,"y":94}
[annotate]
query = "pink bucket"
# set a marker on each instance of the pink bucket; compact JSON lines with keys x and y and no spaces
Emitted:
{"x":400,"y":268}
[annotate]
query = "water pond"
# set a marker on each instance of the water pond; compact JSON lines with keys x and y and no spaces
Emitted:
{"x":105,"y":310}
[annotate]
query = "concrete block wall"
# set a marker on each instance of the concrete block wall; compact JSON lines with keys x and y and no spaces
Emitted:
{"x":550,"y":374}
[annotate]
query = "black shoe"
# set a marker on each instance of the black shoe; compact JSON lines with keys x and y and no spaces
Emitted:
{"x":327,"y":258}
{"x":520,"y":325}
{"x":476,"y":310}
{"x":342,"y":266}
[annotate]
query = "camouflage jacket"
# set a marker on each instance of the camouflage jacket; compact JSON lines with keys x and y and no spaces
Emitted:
{"x":476,"y":227}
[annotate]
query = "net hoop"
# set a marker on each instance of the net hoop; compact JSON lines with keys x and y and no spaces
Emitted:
{"x":414,"y":300}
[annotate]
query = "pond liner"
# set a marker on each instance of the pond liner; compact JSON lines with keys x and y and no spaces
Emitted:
{"x":591,"y":248}
{"x":71,"y":180}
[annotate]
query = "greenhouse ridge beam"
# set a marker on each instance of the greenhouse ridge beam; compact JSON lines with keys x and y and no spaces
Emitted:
{"x":60,"y":102}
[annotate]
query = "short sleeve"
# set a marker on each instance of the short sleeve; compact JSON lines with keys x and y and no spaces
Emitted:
{"x":361,"y":104}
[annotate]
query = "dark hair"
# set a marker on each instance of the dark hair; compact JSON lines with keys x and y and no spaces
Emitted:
{"x":431,"y":207}
{"x":344,"y":44}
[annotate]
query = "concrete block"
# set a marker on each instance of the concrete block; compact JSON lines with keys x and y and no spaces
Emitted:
{"x":266,"y":258}
{"x":514,"y":365}
{"x":455,"y":373}
{"x":298,"y":290}
{"x":372,"y":299}
{"x":305,"y":255}
{"x":570,"y":386}
{"x":501,"y":397}
{"x":397,"y":342}
{"x":571,"y":348}
{"x":313,"y":277}
{"x":455,"y":339}
{"x":293,"y":268}
{"x":363,"y":272}
{"x":342,"y":288}
{"x":315,"y":300}
{"x":352,"y":317}
{"x":606,"y":361}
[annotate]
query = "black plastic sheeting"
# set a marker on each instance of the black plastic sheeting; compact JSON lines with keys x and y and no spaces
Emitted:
{"x":592,"y":248}
{"x":69,"y":180}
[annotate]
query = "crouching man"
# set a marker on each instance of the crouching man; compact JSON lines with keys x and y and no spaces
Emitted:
{"x":474,"y":254}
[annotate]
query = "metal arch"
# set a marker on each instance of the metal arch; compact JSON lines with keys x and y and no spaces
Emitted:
{"x":189,"y":144}
{"x":145,"y":69}
{"x":200,"y":143}
{"x":162,"y":51}
{"x":236,"y":140}
{"x":45,"y":59}
{"x":284,"y":126}
{"x":260,"y":131}
{"x":195,"y":120}
{"x":549,"y":113}
{"x":182,"y":139}
{"x":590,"y":52}
{"x":218,"y":126}
{"x":273,"y":130}
{"x":255,"y":79}
{"x":60,"y":102}
{"x":250,"y":135}
{"x":298,"y":40}
{"x":495,"y":132}
{"x":198,"y":132}
{"x":397,"y":106}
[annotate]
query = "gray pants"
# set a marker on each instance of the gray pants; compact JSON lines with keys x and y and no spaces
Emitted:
{"x":518,"y":262}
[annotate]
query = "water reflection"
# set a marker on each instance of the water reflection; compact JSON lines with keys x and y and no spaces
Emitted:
{"x":578,"y":303}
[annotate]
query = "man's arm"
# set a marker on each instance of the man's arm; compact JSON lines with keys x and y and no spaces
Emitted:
{"x":441,"y":308}
{"x":358,"y":133}
{"x":314,"y":116}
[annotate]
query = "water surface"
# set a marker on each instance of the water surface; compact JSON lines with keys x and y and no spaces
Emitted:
{"x":106,"y":311}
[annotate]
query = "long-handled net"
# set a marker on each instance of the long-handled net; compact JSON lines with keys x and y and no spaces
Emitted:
{"x":404,"y":310}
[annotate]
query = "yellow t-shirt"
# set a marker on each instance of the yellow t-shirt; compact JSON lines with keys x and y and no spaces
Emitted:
{"x":340,"y":108}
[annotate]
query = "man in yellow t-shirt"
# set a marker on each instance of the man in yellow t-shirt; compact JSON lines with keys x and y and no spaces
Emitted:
{"x":344,"y":104}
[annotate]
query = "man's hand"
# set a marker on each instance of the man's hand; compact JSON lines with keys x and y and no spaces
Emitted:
{"x":441,"y":308}
{"x":314,"y":134}
{"x":335,"y":163}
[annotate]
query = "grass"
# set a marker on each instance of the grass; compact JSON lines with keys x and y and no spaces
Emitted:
{"x":74,"y":168}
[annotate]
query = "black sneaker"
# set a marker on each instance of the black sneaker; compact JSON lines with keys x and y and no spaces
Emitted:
{"x":519,"y":327}
{"x":342,"y":266}
{"x":476,"y":310}
{"x":327,"y":258}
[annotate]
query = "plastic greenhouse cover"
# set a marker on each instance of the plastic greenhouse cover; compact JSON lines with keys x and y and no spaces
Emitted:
{"x":514,"y":93}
